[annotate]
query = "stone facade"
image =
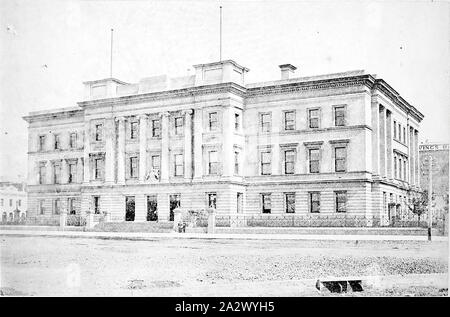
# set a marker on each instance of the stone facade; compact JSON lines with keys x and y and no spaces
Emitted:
{"x":326,"y":144}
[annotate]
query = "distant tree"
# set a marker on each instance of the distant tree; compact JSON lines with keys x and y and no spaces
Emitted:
{"x":418,"y":205}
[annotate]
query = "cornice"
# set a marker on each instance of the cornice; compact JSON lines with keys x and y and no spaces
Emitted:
{"x":57,"y":114}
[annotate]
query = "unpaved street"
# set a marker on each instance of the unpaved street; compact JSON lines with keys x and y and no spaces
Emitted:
{"x":189,"y":267}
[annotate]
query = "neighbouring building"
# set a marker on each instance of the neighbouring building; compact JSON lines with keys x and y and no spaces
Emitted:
{"x":13,"y":201}
{"x":438,"y":152}
{"x":343,"y":144}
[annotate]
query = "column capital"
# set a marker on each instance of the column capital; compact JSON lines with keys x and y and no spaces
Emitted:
{"x":142,"y":116}
{"x":119,"y":118}
{"x":164,"y":114}
{"x":187,"y":112}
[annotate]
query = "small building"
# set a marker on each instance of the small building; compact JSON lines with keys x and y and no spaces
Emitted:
{"x":13,"y":201}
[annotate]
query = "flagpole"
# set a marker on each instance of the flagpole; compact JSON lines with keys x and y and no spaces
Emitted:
{"x":220,"y":54}
{"x":111,"y":61}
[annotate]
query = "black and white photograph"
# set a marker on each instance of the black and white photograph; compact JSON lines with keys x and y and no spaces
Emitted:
{"x":248,"y":149}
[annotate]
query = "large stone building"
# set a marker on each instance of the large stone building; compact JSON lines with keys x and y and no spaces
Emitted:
{"x":344,"y":143}
{"x":13,"y":201}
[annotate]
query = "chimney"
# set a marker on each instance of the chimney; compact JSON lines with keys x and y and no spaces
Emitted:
{"x":286,"y":70}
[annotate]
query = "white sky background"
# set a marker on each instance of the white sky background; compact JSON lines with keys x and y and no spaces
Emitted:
{"x":404,"y":42}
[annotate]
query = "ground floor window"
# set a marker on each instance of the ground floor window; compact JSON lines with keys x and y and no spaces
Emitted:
{"x":212,"y":200}
{"x":314,"y":202}
{"x":41,"y":206}
{"x":239,"y":202}
{"x":175,"y":202}
{"x":57,"y":206}
{"x":266,"y":203}
{"x":341,"y":201}
{"x":71,"y":206}
{"x":129,"y":208}
{"x":152,"y":208}
{"x":289,"y":202}
{"x":96,"y":203}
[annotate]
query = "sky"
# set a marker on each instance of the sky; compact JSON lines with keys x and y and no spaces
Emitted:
{"x":48,"y":48}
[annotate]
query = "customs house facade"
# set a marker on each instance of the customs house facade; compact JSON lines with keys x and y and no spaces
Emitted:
{"x":344,"y":143}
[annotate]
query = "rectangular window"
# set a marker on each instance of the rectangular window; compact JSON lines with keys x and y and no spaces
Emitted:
{"x":400,"y":168}
{"x":404,"y":135}
{"x":19,"y":203}
{"x":313,"y":118}
{"x":289,"y":120}
{"x":265,"y":122}
{"x":98,"y":132}
{"x":266,"y":166}
{"x":395,"y":167}
{"x":41,"y":142}
{"x":289,"y":162}
{"x":341,"y":201}
{"x":57,"y":142}
{"x":314,"y":202}
{"x":314,"y":159}
{"x":98,"y":168}
{"x":41,"y":207}
{"x":339,"y":116}
{"x":213,"y":163}
{"x":404,"y":170}
{"x":42,"y":173}
{"x":179,"y":165}
{"x":266,"y":203}
{"x":340,"y":159}
{"x":237,"y":121}
{"x":236,"y":163}
{"x":289,"y":201}
{"x":156,"y":163}
{"x":10,"y":203}
{"x":156,"y":128}
{"x":399,"y":132}
{"x":96,"y":203}
{"x":134,"y":126}
{"x":71,"y":206}
{"x":73,"y":140}
{"x":56,"y":206}
{"x":134,"y":167}
{"x":72,"y":172}
{"x":212,"y":200}
{"x":57,"y":173}
{"x":179,"y":125}
{"x":213,"y":123}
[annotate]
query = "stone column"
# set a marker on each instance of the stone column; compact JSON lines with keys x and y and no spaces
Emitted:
{"x":389,"y":152}
{"x":416,"y":155}
{"x":165,"y":147}
{"x":188,"y":143}
{"x":198,"y":144}
{"x":382,"y":142}
{"x":64,"y":171}
{"x":80,"y":170}
{"x":110,"y":161}
{"x":375,"y":138}
{"x":227,"y":149}
{"x":87,"y":149}
{"x":49,"y":171}
{"x":142,"y":147}
{"x":121,"y":151}
{"x":411,"y":156}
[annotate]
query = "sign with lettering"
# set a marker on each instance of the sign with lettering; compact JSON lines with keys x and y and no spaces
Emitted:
{"x":433,"y":147}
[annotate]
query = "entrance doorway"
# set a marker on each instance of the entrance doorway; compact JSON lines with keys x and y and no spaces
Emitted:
{"x":174,"y":203}
{"x":152,"y":208}
{"x":129,"y":208}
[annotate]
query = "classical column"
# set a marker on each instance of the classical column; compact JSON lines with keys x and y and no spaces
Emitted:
{"x":382,"y":142}
{"x":411,"y":156}
{"x":110,"y":162}
{"x":64,"y":171}
{"x":375,"y":138}
{"x":188,"y":143}
{"x":165,"y":146}
{"x":198,"y":142}
{"x":142,"y":146}
{"x":416,"y":155}
{"x":121,"y":151}
{"x":87,"y":149}
{"x":50,"y":176}
{"x":80,"y":170}
{"x":389,"y":152}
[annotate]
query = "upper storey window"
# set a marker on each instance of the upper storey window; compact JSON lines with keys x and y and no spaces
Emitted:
{"x":156,"y":128}
{"x":314,"y":160}
{"x":313,"y":118}
{"x":57,"y":142}
{"x":98,"y":132}
{"x":265,"y":122}
{"x":213,"y":122}
{"x":340,"y":159}
{"x":339,"y":116}
{"x":289,"y":120}
{"x":134,"y":130}
{"x":266,"y":163}
{"x":178,"y":125}
{"x":41,"y":142}
{"x":213,"y":163}
{"x":237,"y":122}
{"x":73,"y":140}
